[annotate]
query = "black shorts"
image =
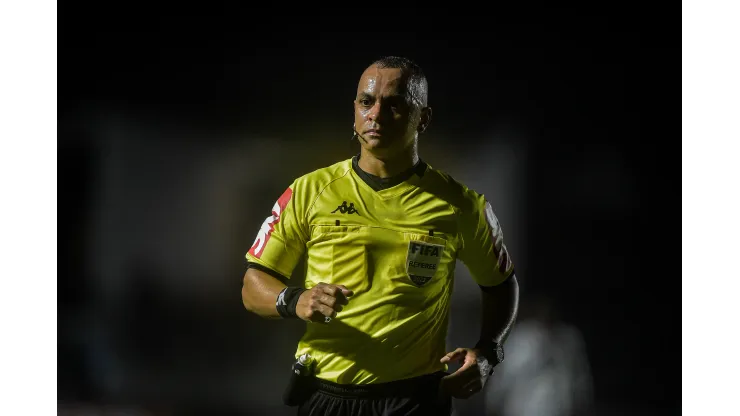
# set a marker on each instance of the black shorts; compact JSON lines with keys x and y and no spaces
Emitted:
{"x":416,"y":396}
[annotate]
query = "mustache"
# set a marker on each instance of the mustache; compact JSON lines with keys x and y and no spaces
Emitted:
{"x":373,"y":126}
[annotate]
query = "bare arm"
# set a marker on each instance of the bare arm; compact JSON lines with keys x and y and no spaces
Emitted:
{"x":499,"y":308}
{"x":259,"y":292}
{"x":487,"y":259}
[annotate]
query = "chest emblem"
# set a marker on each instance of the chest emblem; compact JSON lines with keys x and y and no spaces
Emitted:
{"x":422,"y":261}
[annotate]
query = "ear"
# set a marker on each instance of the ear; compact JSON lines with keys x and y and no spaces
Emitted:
{"x":425,"y":119}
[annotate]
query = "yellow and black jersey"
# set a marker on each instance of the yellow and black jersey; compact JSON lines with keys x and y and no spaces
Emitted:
{"x":395,"y":246}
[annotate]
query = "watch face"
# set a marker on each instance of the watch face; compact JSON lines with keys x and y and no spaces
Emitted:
{"x":493,"y":351}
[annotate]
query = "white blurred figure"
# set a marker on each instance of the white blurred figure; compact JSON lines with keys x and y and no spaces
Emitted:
{"x":545,"y":372}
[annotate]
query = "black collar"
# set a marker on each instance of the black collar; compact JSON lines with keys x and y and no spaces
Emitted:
{"x":378,"y":183}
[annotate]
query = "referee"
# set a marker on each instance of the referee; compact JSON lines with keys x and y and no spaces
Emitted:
{"x":381,"y":233}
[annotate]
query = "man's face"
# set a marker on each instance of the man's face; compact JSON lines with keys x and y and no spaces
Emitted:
{"x":387,"y":116}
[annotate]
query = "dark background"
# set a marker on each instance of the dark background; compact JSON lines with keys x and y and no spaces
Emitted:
{"x":177,"y":133}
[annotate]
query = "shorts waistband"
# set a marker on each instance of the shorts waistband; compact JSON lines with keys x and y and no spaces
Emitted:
{"x":415,"y":386}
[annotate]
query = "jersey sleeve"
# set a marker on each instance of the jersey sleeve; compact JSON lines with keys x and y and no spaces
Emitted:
{"x":281,"y":240}
{"x":483,"y":249}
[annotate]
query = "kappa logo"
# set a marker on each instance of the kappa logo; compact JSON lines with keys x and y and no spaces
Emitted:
{"x":344,"y":209}
{"x":281,"y":299}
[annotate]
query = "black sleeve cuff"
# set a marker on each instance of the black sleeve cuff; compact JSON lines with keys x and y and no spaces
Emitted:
{"x":489,"y":289}
{"x":273,"y":273}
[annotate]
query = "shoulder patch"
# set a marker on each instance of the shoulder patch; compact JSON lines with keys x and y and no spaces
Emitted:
{"x":263,"y":236}
{"x":499,"y":248}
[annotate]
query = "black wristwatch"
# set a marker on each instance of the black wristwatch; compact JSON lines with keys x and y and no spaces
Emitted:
{"x":493,"y":351}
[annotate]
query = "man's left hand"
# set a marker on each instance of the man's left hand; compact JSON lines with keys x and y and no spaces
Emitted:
{"x":468,"y":379}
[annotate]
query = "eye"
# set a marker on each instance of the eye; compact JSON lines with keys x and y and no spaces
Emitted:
{"x":398,"y":105}
{"x":365,"y":102}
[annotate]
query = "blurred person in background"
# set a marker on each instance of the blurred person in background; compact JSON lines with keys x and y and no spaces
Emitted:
{"x":549,"y":373}
{"x":381,"y":233}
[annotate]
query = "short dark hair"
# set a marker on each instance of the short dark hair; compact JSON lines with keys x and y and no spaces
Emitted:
{"x":417,"y":80}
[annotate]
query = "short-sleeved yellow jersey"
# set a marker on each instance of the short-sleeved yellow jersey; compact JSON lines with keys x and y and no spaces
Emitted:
{"x":396,"y":249}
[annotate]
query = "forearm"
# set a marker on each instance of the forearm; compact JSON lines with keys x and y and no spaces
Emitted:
{"x":259,"y":293}
{"x":499,"y":308}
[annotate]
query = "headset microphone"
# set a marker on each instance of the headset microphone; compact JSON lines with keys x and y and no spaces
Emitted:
{"x":358,"y":135}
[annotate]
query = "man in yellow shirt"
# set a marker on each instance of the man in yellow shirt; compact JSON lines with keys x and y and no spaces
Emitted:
{"x":381,"y":233}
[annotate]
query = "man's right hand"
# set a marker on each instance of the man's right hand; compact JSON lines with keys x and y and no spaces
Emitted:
{"x":322,"y":301}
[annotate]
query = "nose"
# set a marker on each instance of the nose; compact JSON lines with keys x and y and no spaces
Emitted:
{"x":377,"y":112}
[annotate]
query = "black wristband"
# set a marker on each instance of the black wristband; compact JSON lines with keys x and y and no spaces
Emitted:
{"x":287,"y":300}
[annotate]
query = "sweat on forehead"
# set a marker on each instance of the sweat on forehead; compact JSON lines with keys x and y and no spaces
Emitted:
{"x":384,"y":80}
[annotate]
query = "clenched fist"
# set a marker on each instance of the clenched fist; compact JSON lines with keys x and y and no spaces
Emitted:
{"x":322,"y":302}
